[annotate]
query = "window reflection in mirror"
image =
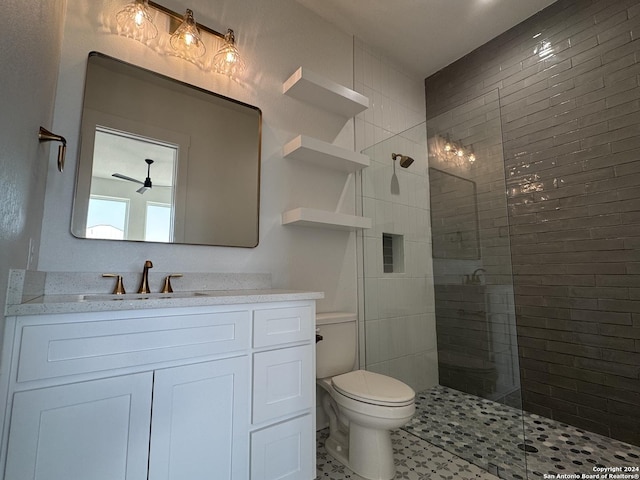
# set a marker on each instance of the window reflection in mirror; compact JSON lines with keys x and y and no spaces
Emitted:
{"x":107,"y":218}
{"x":121,"y":162}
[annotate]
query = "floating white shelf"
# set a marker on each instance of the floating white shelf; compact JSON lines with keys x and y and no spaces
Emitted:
{"x":310,"y":217}
{"x":310,"y":87}
{"x":324,"y":154}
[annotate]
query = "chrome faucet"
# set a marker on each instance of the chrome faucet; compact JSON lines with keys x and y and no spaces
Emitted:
{"x":144,"y":284}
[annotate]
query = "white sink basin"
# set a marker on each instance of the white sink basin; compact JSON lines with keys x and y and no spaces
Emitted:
{"x":97,"y":297}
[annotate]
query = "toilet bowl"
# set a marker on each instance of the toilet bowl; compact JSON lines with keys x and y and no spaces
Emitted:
{"x":362,"y":407}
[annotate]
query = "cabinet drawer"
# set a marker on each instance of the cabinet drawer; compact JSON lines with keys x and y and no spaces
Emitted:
{"x":55,"y":350}
{"x":284,"y":451}
{"x":283,"y":382}
{"x":282,"y":325}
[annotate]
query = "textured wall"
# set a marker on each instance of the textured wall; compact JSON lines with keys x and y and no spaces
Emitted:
{"x":570,"y":110}
{"x":27,"y":86}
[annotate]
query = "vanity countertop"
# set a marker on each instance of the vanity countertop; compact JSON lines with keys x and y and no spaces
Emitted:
{"x":102,"y":303}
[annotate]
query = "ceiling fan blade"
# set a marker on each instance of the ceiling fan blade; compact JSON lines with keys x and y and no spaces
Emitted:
{"x":142,"y":189}
{"x":124,"y":177}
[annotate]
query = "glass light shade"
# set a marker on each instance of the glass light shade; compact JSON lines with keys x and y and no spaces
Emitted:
{"x":186,"y":40}
{"x":228,"y":60}
{"x":447,"y":144}
{"x":472,"y":157}
{"x":135,"y":21}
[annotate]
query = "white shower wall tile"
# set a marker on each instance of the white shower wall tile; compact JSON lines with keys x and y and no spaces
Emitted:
{"x":380,"y":367}
{"x":400,"y":217}
{"x":397,"y":338}
{"x":384,"y":217}
{"x":426,"y":366}
{"x":410,"y":253}
{"x":371,"y":300}
{"x":373,"y":256}
{"x":372,"y":335}
{"x":382,"y":183}
{"x":399,"y":323}
{"x":426,"y":339}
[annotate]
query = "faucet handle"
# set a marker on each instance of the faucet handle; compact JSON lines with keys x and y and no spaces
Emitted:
{"x":119,"y":288}
{"x":167,"y":283}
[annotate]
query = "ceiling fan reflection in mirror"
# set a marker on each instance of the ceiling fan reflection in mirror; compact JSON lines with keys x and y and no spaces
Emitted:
{"x":146,"y":185}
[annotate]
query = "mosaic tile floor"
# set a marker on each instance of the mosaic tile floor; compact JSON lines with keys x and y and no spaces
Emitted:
{"x":415,"y":460}
{"x":487,"y":434}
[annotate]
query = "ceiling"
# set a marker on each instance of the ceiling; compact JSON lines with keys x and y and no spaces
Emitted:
{"x":425,"y":36}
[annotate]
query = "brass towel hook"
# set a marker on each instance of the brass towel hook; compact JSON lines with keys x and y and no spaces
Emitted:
{"x":46,"y":136}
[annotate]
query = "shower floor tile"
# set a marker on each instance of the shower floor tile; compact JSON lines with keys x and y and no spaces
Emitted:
{"x":488,"y":434}
{"x":415,"y":459}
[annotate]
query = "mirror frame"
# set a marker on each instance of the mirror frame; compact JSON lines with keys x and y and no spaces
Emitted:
{"x":84,"y":168}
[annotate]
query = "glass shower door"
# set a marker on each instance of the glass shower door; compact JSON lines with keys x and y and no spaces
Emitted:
{"x":438,"y":289}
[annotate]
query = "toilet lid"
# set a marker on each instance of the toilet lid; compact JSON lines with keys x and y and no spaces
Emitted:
{"x":370,"y":387}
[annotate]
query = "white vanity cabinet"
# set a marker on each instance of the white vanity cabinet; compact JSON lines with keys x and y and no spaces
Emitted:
{"x":205,"y":392}
{"x":283,"y":384}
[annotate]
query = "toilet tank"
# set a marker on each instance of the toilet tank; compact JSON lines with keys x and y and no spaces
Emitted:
{"x":336,"y":352}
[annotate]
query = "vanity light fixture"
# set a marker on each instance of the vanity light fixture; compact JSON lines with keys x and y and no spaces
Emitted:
{"x":228,"y":60}
{"x":135,"y":21}
{"x":186,"y":40}
{"x":186,"y":36}
{"x":456,"y":152}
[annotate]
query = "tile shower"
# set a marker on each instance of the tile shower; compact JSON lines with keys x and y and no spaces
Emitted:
{"x":535,"y":293}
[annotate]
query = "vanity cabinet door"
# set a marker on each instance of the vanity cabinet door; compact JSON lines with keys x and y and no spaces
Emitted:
{"x":200,"y":421}
{"x":285,"y":451}
{"x":94,"y":430}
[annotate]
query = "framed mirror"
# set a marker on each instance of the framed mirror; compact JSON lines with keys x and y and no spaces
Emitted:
{"x":164,"y":161}
{"x":454,"y":216}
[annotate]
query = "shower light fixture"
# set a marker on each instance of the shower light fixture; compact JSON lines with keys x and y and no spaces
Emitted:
{"x":455,"y":151}
{"x":186,"y":36}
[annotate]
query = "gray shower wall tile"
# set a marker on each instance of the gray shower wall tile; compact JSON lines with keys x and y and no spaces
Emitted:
{"x":585,"y":420}
{"x":576,"y":374}
{"x":621,"y":120}
{"x":575,"y":349}
{"x":623,"y":344}
{"x":605,"y":366}
{"x":600,"y":268}
{"x":580,"y":398}
{"x":571,"y":131}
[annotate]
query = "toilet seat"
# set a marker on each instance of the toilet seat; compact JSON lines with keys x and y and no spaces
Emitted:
{"x":373,"y":388}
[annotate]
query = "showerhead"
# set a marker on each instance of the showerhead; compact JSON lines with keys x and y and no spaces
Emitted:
{"x":405,"y":161}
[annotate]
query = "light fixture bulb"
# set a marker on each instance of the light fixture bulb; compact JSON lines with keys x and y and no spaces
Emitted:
{"x":135,"y":21}
{"x":228,"y":60}
{"x":186,"y":40}
{"x":472,"y":157}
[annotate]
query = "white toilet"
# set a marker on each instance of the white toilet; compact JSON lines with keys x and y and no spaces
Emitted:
{"x":362,"y":406}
